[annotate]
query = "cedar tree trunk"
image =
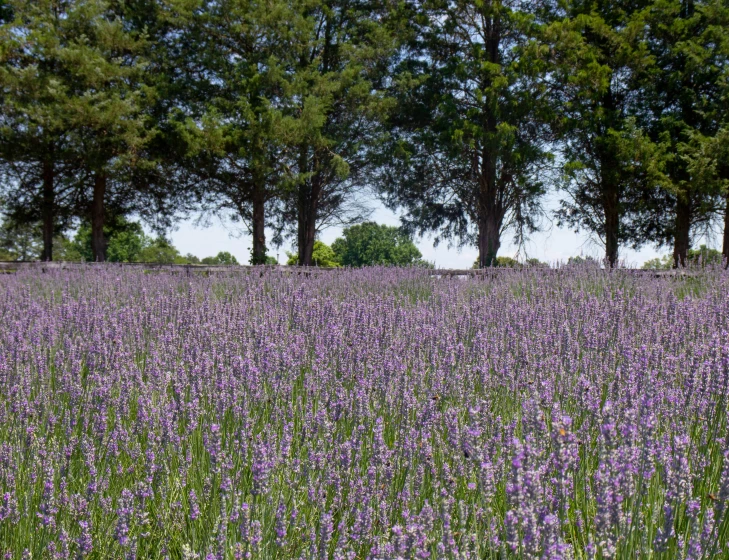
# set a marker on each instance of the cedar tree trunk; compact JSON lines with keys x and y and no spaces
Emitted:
{"x":98,"y":243}
{"x":308,"y":206}
{"x":683,"y":229}
{"x":259,"y":227}
{"x":612,"y":223}
{"x":725,"y":246}
{"x":489,"y":212}
{"x":47,"y":210}
{"x":488,"y":241}
{"x":307,"y":232}
{"x":489,"y":216}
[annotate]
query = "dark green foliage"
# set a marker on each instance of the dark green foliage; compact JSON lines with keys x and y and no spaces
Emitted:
{"x":322,"y":255}
{"x":370,"y":244}
{"x":235,"y":93}
{"x":610,"y":165}
{"x":36,"y":151}
{"x":78,"y":116}
{"x":339,"y":60}
{"x":684,"y":108}
{"x":6,"y":11}
{"x":467,"y":157}
{"x":223,"y":257}
{"x":283,"y":115}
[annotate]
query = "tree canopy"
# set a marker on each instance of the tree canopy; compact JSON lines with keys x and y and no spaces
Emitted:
{"x":369,"y":244}
{"x":322,"y":255}
{"x":467,"y":155}
{"x":291,"y":117}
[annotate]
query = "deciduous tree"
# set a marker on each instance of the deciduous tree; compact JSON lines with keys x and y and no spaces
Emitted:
{"x":370,"y":244}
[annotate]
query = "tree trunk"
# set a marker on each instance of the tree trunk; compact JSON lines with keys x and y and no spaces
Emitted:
{"x":489,"y":211}
{"x":611,"y":209}
{"x":258,"y":228}
{"x":47,"y":210}
{"x":98,"y":243}
{"x":308,"y":205}
{"x":489,"y":216}
{"x":612,"y":227}
{"x":683,"y":229}
{"x":725,"y":246}
{"x":488,"y":243}
{"x":307,"y":232}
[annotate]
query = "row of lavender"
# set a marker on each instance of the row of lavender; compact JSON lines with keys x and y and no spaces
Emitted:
{"x":363,"y":414}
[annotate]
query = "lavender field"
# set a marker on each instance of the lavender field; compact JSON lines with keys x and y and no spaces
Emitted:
{"x":363,"y":414}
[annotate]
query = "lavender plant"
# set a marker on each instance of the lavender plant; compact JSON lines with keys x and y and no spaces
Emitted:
{"x":376,"y":413}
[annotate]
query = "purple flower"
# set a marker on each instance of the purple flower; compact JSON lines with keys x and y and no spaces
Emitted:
{"x":125,"y":513}
{"x":193,"y":504}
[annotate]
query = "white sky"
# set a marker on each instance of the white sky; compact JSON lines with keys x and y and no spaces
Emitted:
{"x":552,"y":245}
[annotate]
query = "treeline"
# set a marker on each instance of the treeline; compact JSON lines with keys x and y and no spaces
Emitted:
{"x":126,"y":242}
{"x":366,"y":244}
{"x":286,"y":115}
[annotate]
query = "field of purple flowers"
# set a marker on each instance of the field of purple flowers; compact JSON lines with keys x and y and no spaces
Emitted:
{"x":363,"y":414}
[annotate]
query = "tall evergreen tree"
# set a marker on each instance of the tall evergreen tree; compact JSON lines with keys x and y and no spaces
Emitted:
{"x":610,"y":163}
{"x":336,"y":101}
{"x":162,"y":185}
{"x":468,"y":147}
{"x":685,"y":109}
{"x":107,"y":100}
{"x":34,"y":143}
{"x":233,"y":58}
{"x":76,"y":94}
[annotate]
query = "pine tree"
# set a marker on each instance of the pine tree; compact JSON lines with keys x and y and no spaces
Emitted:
{"x":468,"y":151}
{"x":34,"y":135}
{"x":107,"y":98}
{"x":234,"y":54}
{"x":610,"y":163}
{"x":684,"y":105}
{"x":335,"y":105}
{"x":75,"y":93}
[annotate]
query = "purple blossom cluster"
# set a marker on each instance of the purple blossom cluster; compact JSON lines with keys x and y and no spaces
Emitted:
{"x":374,"y":413}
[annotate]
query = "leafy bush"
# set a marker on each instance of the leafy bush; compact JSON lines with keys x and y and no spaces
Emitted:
{"x":703,"y":256}
{"x":507,"y":262}
{"x":323,"y":256}
{"x":658,"y":263}
{"x":223,"y":257}
{"x":376,"y":244}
